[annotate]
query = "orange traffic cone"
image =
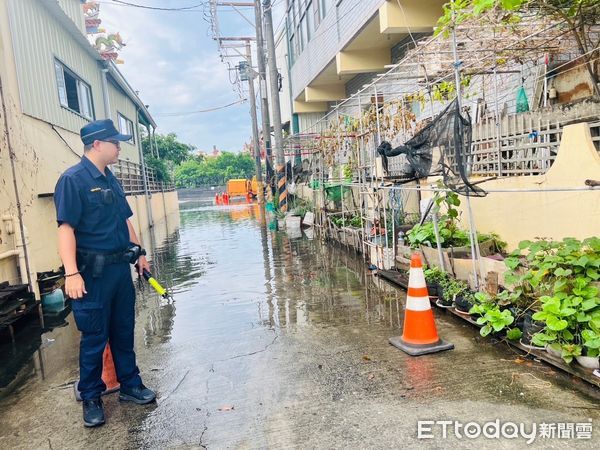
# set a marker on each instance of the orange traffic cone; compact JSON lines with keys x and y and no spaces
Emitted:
{"x":217,"y":199}
{"x":419,"y":335}
{"x":109,"y":375}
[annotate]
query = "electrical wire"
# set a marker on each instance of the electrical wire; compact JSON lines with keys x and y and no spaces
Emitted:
{"x":216,"y":108}
{"x":159,"y":8}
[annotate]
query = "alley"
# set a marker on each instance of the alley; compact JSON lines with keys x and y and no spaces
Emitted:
{"x":276,"y":341}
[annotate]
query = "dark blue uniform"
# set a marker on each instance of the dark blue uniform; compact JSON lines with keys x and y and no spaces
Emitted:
{"x":95,"y":206}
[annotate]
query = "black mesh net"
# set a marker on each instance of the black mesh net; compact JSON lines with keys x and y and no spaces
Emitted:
{"x":448,"y":139}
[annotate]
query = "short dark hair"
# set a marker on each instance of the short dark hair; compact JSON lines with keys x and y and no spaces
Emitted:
{"x":88,"y":147}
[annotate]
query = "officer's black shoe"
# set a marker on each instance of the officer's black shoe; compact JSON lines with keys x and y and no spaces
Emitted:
{"x":93,"y":412}
{"x":139,"y":394}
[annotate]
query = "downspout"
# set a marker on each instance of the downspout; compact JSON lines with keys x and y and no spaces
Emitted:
{"x":162,"y":190}
{"x":147,"y":194}
{"x":19,"y":242}
{"x":105,"y":97}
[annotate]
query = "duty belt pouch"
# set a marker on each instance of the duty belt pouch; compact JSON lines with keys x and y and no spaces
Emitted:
{"x":98,"y":265}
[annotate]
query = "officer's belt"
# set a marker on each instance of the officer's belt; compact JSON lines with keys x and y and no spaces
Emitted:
{"x":97,"y":260}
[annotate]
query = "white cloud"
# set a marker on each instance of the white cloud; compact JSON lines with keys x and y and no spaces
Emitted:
{"x":174,"y":64}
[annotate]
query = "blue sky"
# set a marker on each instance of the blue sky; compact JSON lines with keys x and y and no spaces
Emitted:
{"x":172,"y":60}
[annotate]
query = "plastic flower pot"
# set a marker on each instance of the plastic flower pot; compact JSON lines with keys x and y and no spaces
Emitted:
{"x":589,"y":362}
{"x":432,"y":289}
{"x":552,"y":350}
{"x":463,"y":304}
{"x":530,"y":327}
{"x":442,"y":301}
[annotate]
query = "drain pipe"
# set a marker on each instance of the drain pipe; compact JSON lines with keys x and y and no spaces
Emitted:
{"x":147,"y":193}
{"x":17,"y":197}
{"x":20,"y":242}
{"x":162,"y":190}
{"x":105,"y":92}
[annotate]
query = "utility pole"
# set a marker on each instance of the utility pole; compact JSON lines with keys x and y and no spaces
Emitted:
{"x":245,"y":70}
{"x":251,"y":75}
{"x":262,"y":89}
{"x":273,"y":78}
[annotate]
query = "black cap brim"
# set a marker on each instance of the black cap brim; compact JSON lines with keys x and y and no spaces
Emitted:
{"x":119,"y":137}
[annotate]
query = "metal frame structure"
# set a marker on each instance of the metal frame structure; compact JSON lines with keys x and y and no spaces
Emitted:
{"x":397,"y":103}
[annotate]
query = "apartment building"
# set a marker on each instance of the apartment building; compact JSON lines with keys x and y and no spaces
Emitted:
{"x":334,"y":46}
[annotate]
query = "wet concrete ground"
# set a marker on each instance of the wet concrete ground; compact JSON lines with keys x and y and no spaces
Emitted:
{"x":278,"y":342}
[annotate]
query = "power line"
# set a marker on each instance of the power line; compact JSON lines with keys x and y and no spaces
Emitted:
{"x":175,"y":114}
{"x":159,"y":8}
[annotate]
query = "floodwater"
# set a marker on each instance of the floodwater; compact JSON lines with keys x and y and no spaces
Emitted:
{"x":279,"y":341}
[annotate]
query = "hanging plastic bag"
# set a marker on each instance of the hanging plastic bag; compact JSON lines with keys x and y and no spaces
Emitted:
{"x":522,"y":103}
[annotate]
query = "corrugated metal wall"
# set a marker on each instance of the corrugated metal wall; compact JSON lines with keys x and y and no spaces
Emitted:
{"x":119,"y":103}
{"x":38,"y":39}
{"x":74,"y":10}
{"x":306,"y":121}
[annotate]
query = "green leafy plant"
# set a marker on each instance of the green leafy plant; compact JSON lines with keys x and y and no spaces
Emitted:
{"x":299,"y":207}
{"x":591,"y":342}
{"x":559,"y":277}
{"x":450,"y":234}
{"x":492,"y":318}
{"x":435,"y":275}
{"x":347,"y":172}
{"x":346,"y":221}
{"x":454,"y":288}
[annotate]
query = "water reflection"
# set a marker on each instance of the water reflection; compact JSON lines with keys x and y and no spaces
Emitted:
{"x":226,"y":268}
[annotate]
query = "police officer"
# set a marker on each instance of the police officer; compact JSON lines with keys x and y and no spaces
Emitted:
{"x":96,"y":241}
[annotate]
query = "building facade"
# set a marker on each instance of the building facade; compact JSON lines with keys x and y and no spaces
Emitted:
{"x":364,"y":71}
{"x":53,"y":83}
{"x":335,"y":46}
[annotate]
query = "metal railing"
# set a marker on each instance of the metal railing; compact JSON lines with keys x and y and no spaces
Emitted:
{"x":130,"y":176}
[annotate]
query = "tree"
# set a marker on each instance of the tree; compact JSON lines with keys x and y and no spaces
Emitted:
{"x":171,"y":153}
{"x":214,"y":170}
{"x":579,"y":15}
{"x":169,"y":148}
{"x":188,"y":173}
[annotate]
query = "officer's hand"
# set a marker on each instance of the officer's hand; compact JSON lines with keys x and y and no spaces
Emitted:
{"x":142,"y":265}
{"x":75,"y":287}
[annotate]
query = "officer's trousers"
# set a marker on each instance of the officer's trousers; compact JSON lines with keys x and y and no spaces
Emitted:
{"x":106,"y":313}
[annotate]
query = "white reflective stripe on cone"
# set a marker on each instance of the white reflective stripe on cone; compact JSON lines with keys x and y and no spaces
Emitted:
{"x":417,"y":303}
{"x":416,"y":278}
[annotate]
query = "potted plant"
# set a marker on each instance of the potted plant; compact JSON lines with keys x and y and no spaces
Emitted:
{"x":492,"y":319}
{"x":280,"y":215}
{"x":591,"y":350}
{"x":530,"y":328}
{"x":562,"y":274}
{"x":444,"y":299}
{"x":453,"y":289}
{"x":465,"y":301}
{"x":433,"y":277}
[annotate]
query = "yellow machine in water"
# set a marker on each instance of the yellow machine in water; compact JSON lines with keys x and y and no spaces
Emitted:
{"x":242,"y":187}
